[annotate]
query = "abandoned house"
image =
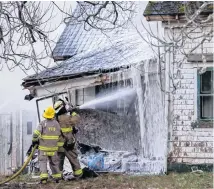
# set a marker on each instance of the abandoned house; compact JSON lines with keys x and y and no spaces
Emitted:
{"x":191,"y":105}
{"x":92,"y":64}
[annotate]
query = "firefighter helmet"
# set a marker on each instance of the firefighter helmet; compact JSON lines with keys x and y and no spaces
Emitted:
{"x":49,"y":113}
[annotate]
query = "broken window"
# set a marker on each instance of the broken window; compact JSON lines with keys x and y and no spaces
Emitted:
{"x":205,"y":95}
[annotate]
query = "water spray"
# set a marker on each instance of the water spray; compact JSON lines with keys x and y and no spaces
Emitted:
{"x":125,"y":93}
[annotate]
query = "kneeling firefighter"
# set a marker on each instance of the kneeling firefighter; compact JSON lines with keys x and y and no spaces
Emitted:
{"x":67,"y":143}
{"x":47,"y":136}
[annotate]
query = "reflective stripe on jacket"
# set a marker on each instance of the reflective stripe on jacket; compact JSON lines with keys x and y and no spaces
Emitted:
{"x":67,"y":122}
{"x":48,"y":133}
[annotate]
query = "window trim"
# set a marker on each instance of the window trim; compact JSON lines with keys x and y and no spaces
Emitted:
{"x":44,"y":98}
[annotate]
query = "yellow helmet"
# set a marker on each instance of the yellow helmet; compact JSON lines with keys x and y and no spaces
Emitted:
{"x":49,"y":113}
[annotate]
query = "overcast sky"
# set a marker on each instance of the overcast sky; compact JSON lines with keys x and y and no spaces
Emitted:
{"x":11,"y":92}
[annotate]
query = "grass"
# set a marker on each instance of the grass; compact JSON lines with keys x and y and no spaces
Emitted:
{"x":116,"y":181}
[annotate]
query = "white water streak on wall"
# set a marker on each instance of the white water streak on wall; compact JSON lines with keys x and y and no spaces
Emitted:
{"x":5,"y":135}
{"x":151,"y":114}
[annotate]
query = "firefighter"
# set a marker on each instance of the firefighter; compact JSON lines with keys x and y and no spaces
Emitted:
{"x":47,"y":136}
{"x":67,"y":143}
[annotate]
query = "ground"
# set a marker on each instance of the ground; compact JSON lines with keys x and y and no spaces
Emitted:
{"x":115,"y":181}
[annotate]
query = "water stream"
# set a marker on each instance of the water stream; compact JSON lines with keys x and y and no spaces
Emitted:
{"x":110,"y":98}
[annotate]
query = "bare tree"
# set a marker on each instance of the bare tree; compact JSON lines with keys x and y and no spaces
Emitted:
{"x":105,"y":15}
{"x":27,"y":28}
{"x":177,"y":36}
{"x":23,"y":26}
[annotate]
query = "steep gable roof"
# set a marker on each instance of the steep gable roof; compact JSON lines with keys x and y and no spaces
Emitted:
{"x":77,"y":39}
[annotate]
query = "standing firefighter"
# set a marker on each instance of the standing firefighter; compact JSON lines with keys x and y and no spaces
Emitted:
{"x":67,"y":142}
{"x":47,"y":136}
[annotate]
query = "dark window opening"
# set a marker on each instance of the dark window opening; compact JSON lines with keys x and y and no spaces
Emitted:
{"x":205,"y":95}
{"x":29,"y":128}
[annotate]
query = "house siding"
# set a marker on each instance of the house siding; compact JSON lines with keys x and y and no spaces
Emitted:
{"x":187,"y":144}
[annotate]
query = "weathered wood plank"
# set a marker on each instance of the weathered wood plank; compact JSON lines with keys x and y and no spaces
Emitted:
{"x":198,"y":57}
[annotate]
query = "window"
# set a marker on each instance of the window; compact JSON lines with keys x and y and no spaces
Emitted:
{"x":29,"y":128}
{"x":205,"y":95}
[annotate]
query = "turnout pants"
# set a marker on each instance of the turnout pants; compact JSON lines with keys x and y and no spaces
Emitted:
{"x":72,"y":156}
{"x":53,"y":159}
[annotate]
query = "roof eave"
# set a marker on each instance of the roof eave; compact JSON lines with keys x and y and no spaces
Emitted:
{"x":162,"y":18}
{"x":34,"y":82}
{"x":168,"y":17}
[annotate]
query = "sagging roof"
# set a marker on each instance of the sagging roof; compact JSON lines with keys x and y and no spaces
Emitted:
{"x":119,"y":54}
{"x":170,"y":8}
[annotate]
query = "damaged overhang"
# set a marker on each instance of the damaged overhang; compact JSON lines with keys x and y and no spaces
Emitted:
{"x":41,"y":81}
{"x":80,"y":82}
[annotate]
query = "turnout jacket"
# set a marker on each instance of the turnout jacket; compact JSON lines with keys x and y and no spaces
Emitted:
{"x":47,"y":133}
{"x":67,"y":123}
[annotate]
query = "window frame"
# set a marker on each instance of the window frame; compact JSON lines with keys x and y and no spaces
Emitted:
{"x":48,"y":97}
{"x":201,"y":120}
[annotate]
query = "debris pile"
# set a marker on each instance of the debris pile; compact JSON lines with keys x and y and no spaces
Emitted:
{"x":101,"y":160}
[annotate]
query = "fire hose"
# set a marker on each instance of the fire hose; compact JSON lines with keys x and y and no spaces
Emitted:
{"x":22,"y":168}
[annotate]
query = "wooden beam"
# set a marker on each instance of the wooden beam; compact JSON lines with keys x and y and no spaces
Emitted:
{"x":175,"y":17}
{"x":161,"y":18}
{"x":198,"y":57}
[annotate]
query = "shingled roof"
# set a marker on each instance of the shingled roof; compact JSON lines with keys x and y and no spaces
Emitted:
{"x":170,"y":8}
{"x":122,"y":52}
{"x":75,"y":40}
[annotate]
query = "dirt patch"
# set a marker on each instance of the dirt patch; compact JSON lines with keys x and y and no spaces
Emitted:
{"x":116,"y":181}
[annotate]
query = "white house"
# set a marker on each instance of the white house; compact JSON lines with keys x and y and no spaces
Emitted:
{"x":191,"y":66}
